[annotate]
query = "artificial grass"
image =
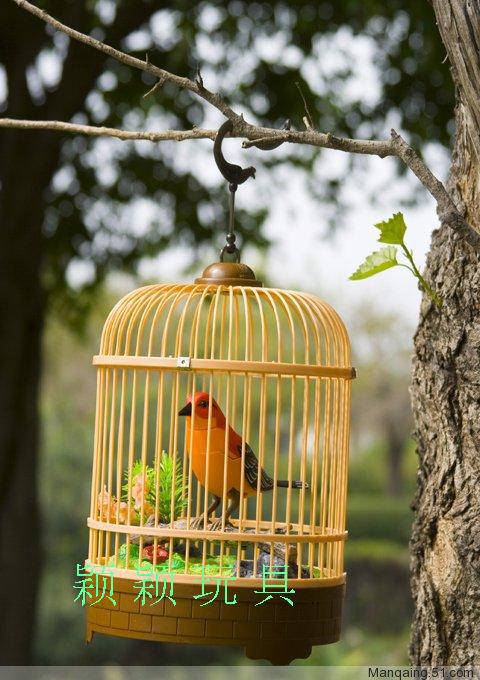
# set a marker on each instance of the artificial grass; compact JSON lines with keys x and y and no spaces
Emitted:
{"x":212,"y":564}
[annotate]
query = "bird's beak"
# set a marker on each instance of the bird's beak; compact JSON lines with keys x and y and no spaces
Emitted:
{"x":186,"y":410}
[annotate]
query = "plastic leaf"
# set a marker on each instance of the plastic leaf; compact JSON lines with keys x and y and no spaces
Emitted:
{"x":392,"y":230}
{"x":375,"y":263}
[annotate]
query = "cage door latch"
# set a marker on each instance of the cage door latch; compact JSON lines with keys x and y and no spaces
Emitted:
{"x":183,"y":362}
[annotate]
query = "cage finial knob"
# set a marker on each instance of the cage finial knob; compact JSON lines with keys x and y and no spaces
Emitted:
{"x":229,"y":274}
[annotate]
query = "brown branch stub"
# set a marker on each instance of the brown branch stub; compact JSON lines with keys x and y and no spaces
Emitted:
{"x":306,"y":123}
{"x":199,"y":79}
{"x":153,"y":89}
{"x":308,"y":119}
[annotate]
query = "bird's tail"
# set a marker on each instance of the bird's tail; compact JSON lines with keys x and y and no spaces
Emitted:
{"x":295,"y":484}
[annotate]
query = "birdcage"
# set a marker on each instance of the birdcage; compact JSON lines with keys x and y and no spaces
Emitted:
{"x":219,"y":476}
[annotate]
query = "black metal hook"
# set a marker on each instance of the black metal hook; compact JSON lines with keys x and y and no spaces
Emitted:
{"x":234,"y":174}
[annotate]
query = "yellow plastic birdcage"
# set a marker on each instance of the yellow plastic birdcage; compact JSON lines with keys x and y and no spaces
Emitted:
{"x":272,"y":365}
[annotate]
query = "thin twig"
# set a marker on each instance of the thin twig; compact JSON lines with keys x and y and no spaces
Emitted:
{"x":153,"y":89}
{"x":313,"y":138}
{"x":93,"y":131}
{"x":318,"y":139}
{"x":310,"y":125}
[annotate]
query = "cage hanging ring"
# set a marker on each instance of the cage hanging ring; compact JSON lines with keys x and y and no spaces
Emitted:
{"x":230,"y":248}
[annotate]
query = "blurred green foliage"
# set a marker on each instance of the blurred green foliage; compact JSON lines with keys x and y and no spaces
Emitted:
{"x":374,"y":549}
{"x":369,"y":469}
{"x":393,"y":518}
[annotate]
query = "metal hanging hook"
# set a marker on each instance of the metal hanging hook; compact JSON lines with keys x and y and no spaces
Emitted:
{"x":235,"y":175}
{"x":230,"y":246}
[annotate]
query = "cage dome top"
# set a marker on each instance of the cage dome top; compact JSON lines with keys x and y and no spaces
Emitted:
{"x":207,"y":325}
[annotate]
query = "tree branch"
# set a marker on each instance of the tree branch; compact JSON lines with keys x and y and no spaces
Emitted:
{"x":93,"y":131}
{"x":396,"y":146}
{"x":258,"y":135}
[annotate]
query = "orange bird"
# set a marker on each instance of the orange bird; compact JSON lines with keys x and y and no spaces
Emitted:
{"x":199,"y":403}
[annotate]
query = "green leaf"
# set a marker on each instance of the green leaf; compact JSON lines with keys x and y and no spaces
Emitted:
{"x":375,"y":263}
{"x":393,"y":230}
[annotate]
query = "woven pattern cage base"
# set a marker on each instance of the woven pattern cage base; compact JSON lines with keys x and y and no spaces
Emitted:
{"x":275,"y":631}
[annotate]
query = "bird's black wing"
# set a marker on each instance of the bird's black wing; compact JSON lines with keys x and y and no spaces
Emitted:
{"x":251,"y":470}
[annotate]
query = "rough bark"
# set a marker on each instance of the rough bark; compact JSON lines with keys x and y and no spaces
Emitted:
{"x":445,"y":545}
{"x":21,"y":311}
{"x":20,"y":332}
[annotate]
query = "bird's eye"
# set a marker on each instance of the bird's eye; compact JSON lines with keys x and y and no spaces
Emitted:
{"x":203,"y":404}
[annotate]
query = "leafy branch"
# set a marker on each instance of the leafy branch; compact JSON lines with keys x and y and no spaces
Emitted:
{"x":392,"y":231}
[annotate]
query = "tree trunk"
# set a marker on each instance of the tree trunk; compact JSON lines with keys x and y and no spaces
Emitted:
{"x":27,"y":164}
{"x":21,"y":320}
{"x":20,"y":332}
{"x":445,"y":390}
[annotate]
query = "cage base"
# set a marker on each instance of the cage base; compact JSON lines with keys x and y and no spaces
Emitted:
{"x":274,"y":630}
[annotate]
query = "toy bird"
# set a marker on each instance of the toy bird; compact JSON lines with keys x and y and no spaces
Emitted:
{"x":199,"y":403}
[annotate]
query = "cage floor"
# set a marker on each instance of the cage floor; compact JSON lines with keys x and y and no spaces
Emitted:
{"x":213,"y":565}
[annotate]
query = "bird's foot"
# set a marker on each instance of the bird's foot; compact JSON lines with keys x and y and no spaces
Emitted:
{"x":197,"y":523}
{"x":216,"y":525}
